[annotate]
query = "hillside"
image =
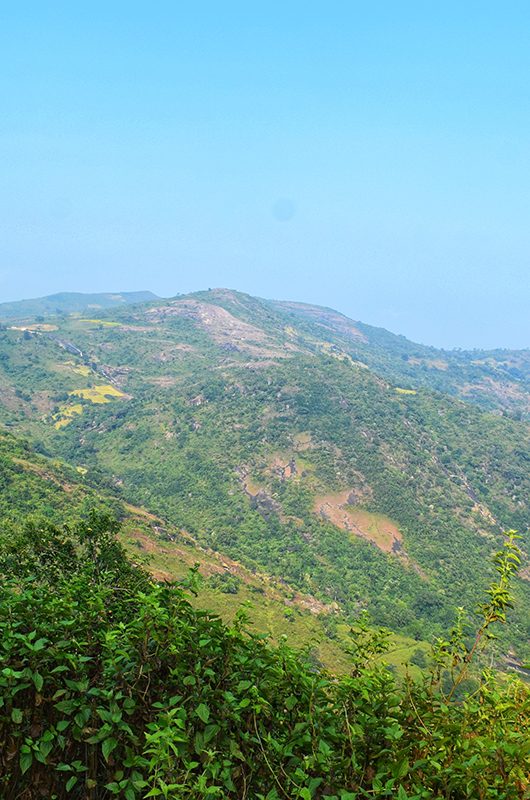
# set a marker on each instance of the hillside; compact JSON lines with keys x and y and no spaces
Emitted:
{"x":40,"y":491}
{"x":69,"y":303}
{"x":292,"y":440}
{"x":496,"y":380}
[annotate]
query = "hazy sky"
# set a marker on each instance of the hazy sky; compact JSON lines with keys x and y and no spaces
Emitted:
{"x":370,"y":156}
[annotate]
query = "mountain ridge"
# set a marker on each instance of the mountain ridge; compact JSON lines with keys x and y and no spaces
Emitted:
{"x":288,"y":441}
{"x":70,"y":302}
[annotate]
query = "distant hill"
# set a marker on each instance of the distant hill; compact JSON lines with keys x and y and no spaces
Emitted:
{"x":497,"y":380}
{"x":69,"y":303}
{"x":359,"y":468}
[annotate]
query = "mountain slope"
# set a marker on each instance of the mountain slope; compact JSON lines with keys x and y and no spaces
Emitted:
{"x":275,"y":442}
{"x":70,"y":302}
{"x":496,"y":380}
{"x":45,"y":491}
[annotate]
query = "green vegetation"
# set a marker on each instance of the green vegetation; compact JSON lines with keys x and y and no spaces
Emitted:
{"x":341,"y":502}
{"x":115,"y":686}
{"x":68,"y":303}
{"x":235,"y":420}
{"x":36,"y":487}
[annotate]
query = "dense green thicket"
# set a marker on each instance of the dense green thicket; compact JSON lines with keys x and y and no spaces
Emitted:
{"x":113,"y":686}
{"x":49,"y":488}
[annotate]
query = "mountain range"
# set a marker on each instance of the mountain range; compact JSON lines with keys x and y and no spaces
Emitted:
{"x":321,"y":463}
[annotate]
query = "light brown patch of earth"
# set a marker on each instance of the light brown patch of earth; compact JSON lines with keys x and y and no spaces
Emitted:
{"x":172,"y":352}
{"x":437,"y":363}
{"x":43,"y":326}
{"x":283,"y":467}
{"x":433,"y":363}
{"x":263,"y":364}
{"x":504,"y":391}
{"x":375,"y":528}
{"x":42,"y":401}
{"x":9,"y":399}
{"x":137,"y":328}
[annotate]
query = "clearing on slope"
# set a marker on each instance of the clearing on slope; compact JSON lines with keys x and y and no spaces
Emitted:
{"x":375,"y":528}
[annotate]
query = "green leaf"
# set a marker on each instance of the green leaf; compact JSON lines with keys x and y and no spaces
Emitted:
{"x":401,"y":769}
{"x":71,"y":783}
{"x":203,"y":712}
{"x":66,"y":706}
{"x":45,"y":749}
{"x":38,"y":681}
{"x":26,"y":760}
{"x":17,"y":716}
{"x":108,"y":746}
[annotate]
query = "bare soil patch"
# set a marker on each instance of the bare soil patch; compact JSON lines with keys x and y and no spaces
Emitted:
{"x":375,"y":528}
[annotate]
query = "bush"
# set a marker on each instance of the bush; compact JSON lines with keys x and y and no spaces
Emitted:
{"x":114,"y":686}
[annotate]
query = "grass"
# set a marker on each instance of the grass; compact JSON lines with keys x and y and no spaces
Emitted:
{"x":98,"y":394}
{"x":376,"y":527}
{"x":106,"y":323}
{"x":82,"y":369}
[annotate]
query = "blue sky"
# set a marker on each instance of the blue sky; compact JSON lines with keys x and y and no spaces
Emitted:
{"x":373,"y":157}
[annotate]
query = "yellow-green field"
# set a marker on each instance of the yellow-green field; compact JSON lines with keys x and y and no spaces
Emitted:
{"x":82,"y":369}
{"x":106,"y":323}
{"x":98,"y":394}
{"x":66,"y":414}
{"x":102,"y":393}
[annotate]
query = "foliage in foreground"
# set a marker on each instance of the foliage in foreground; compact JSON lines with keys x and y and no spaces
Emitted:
{"x":112,"y":686}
